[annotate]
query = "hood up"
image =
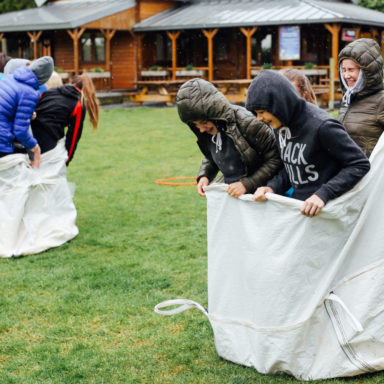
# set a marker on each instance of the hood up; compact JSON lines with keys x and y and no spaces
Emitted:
{"x":272,"y":92}
{"x":68,"y":90}
{"x":25,"y":75}
{"x":198,"y":99}
{"x":366,"y":53}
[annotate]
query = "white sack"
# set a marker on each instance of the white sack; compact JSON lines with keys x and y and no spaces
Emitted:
{"x":36,"y":207}
{"x":289,"y":293}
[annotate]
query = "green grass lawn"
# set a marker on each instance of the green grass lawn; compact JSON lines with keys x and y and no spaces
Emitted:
{"x":83,"y":313}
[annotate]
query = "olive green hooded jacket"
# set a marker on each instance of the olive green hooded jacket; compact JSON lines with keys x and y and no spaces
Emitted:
{"x":198,"y":99}
{"x":364,"y":117}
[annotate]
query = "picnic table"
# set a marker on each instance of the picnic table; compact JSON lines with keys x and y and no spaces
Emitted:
{"x":234,"y":90}
{"x":156,"y":91}
{"x":165,"y":90}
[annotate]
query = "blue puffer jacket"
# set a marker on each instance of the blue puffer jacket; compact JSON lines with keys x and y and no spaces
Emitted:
{"x":18,"y":98}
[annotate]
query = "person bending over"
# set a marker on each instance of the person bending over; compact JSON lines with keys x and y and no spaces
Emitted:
{"x":321,"y":161}
{"x":230,"y":138}
{"x":62,"y":107}
{"x":18,"y":98}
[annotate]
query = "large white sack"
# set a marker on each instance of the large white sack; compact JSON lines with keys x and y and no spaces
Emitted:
{"x":15,"y":179}
{"x":289,"y":293}
{"x":36,"y":206}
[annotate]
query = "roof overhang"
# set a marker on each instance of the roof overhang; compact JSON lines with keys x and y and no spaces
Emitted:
{"x":204,"y":14}
{"x":66,"y":14}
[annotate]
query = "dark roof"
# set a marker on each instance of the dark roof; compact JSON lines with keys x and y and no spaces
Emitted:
{"x":238,"y":13}
{"x":66,"y":14}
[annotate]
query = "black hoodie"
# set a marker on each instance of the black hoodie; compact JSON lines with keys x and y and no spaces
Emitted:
{"x":319,"y":156}
{"x":57,"y":109}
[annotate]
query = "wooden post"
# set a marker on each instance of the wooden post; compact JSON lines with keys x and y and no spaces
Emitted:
{"x":331,"y":102}
{"x":375,"y":34}
{"x":108,"y":34}
{"x":173,"y":36}
{"x":3,"y":47}
{"x":382,"y":44}
{"x":75,"y":35}
{"x":34,"y":36}
{"x":334,"y":30}
{"x":248,"y":33}
{"x":46,"y":47}
{"x":139,"y":54}
{"x":358,"y":30}
{"x":210,"y":34}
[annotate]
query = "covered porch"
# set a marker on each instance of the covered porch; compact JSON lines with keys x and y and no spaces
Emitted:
{"x":229,"y":44}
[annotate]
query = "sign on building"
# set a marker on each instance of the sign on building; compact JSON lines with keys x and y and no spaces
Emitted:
{"x":289,"y":43}
{"x":348,"y":34}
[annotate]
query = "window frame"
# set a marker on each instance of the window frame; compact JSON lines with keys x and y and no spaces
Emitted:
{"x":92,"y":36}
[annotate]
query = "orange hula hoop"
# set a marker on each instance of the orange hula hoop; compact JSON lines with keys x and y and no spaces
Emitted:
{"x":166,"y":182}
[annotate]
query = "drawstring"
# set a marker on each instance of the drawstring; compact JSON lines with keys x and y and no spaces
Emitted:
{"x":218,"y":142}
{"x":284,"y":134}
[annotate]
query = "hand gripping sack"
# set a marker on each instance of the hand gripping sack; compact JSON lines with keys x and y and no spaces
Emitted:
{"x":288,"y":293}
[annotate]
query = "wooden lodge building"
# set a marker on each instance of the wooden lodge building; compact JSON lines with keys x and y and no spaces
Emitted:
{"x":149,"y":47}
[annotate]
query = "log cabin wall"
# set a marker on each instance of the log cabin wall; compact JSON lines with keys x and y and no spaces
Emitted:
{"x":123,"y":21}
{"x":148,"y":8}
{"x":63,"y":51}
{"x":229,"y":54}
{"x":123,"y":57}
{"x":123,"y":65}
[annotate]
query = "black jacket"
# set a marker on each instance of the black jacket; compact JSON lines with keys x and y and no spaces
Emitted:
{"x":319,"y":156}
{"x":57,"y":109}
{"x":198,"y":99}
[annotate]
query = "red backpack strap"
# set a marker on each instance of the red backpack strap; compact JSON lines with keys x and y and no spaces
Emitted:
{"x":77,"y":111}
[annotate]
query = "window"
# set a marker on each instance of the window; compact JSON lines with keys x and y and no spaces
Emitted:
{"x":163,"y":50}
{"x":266,"y":49}
{"x":93,"y":47}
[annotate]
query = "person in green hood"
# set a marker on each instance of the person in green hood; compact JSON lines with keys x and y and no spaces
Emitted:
{"x":361,"y":76}
{"x":230,"y":138}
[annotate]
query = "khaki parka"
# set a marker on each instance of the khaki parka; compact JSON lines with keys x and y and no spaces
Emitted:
{"x":199,"y":100}
{"x":364,"y":117}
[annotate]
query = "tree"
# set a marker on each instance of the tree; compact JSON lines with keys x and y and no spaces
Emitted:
{"x":377,"y":5}
{"x":15,"y":5}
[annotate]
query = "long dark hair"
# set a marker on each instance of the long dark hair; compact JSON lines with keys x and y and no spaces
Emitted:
{"x":84,"y":82}
{"x":302,"y":84}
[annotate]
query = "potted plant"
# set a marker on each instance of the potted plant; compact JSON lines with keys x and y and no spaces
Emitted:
{"x":190,"y":71}
{"x":154,"y":71}
{"x":309,"y":65}
{"x":98,"y":73}
{"x":310,"y":69}
{"x":256,"y":71}
{"x":267,"y":66}
{"x":62,"y":74}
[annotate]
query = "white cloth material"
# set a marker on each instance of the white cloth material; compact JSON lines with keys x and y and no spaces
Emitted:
{"x":289,"y":293}
{"x":36,"y":207}
{"x":359,"y":85}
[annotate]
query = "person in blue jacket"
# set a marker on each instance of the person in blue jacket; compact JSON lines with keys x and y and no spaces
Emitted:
{"x":13,"y":64}
{"x":18,"y":98}
{"x":321,"y":161}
